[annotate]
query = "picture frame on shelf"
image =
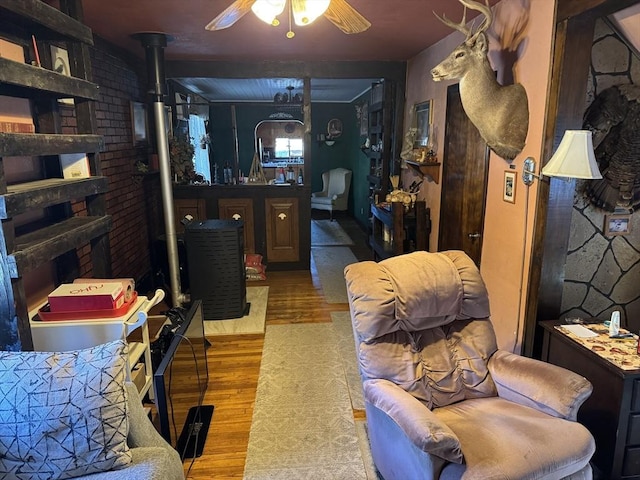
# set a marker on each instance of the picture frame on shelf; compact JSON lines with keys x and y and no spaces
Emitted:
{"x":139,"y":125}
{"x":422,"y":114}
{"x":617,"y":224}
{"x":509,"y":186}
{"x":60,"y":64}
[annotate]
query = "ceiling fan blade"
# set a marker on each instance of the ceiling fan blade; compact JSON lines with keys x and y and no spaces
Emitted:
{"x":346,"y":18}
{"x":230,"y":15}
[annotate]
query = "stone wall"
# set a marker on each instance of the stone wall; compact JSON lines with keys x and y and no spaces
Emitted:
{"x":602,"y":273}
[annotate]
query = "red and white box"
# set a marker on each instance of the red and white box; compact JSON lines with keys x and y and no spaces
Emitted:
{"x":72,"y":297}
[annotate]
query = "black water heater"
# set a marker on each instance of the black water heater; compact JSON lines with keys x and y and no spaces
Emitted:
{"x":215,"y":259}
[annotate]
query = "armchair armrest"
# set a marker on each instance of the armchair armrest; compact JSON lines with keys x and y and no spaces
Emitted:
{"x":421,"y":425}
{"x":548,"y":388}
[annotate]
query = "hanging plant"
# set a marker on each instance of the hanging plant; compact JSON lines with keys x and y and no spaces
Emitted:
{"x":181,"y":152}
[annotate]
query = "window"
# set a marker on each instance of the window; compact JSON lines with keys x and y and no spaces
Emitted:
{"x":289,"y":148}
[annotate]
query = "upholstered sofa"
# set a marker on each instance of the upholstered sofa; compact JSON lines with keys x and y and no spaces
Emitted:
{"x":442,"y":401}
{"x":73,"y":415}
{"x":335,"y":191}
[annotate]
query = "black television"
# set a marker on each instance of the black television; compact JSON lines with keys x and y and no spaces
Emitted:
{"x":180,"y":382}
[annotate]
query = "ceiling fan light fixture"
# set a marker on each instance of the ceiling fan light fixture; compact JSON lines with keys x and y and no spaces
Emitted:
{"x":305,"y":12}
{"x":268,"y":10}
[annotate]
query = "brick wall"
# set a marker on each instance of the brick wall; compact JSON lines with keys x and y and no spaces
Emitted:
{"x":122,"y":79}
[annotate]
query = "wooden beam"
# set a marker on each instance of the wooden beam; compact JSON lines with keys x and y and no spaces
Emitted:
{"x":570,"y":68}
{"x":392,"y":70}
{"x":590,"y":8}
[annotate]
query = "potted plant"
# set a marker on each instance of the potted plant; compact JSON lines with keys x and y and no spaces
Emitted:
{"x":181,"y":152}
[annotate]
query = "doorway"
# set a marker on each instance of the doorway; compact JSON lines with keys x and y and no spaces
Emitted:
{"x":464,"y":184}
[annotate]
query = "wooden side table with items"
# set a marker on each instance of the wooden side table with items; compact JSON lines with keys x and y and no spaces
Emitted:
{"x":612,"y":412}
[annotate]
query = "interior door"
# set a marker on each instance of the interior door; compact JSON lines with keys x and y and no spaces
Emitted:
{"x":464,"y":184}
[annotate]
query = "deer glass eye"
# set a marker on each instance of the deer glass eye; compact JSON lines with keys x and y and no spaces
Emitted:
{"x":459,"y":54}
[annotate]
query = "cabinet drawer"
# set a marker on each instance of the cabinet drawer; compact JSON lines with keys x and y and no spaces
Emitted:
{"x":631,"y":463}
{"x":633,"y":433}
{"x":635,"y":397}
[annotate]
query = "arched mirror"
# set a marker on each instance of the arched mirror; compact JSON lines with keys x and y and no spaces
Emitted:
{"x":280,"y":142}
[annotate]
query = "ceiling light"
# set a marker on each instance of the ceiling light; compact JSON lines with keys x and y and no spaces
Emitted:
{"x":574,"y":158}
{"x":306,"y":11}
{"x":268,"y":10}
{"x":288,"y":97}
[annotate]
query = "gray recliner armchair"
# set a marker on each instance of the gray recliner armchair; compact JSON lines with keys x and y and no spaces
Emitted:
{"x":335,"y":191}
{"x":442,"y":401}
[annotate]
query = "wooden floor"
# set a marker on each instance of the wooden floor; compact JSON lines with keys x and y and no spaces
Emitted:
{"x":234,"y":364}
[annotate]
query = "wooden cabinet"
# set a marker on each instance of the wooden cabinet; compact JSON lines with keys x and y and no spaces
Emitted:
{"x":282,"y":229}
{"x":240,"y":209}
{"x":396,"y":231}
{"x":59,"y":233}
{"x":277,"y":219}
{"x":612,"y":412}
{"x":188,"y":206}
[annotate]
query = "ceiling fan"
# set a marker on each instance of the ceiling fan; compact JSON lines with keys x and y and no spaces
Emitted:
{"x":304,"y":12}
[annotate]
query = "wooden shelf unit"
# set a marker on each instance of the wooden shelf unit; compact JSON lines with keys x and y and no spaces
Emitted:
{"x":408,"y":231}
{"x":57,"y":236}
{"x":380,"y":138}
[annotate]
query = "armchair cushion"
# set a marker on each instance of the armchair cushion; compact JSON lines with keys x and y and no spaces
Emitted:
{"x":65,"y":414}
{"x":406,"y":331}
{"x":441,"y":289}
{"x":423,"y":428}
{"x":543,"y":386}
{"x":502,"y":439}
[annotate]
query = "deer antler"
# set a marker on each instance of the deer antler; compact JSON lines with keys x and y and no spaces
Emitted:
{"x":483,"y":9}
{"x":462,"y":26}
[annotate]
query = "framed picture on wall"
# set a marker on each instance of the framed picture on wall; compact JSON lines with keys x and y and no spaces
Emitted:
{"x":422,"y":114}
{"x":509,"y":186}
{"x":617,"y":224}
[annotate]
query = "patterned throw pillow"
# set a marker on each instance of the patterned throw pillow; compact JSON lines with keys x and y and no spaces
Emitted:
{"x":63,"y":415}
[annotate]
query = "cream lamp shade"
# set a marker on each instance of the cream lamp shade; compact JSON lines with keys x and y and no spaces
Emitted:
{"x":574,"y":157}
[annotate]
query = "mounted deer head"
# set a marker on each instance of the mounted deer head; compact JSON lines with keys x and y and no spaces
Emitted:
{"x":500,"y":113}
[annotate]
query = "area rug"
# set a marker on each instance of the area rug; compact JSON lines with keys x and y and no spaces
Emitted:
{"x":328,"y":233}
{"x":365,"y":450}
{"x":346,"y":346}
{"x":330,"y":263}
{"x":253,"y":323}
{"x":303,"y":425}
